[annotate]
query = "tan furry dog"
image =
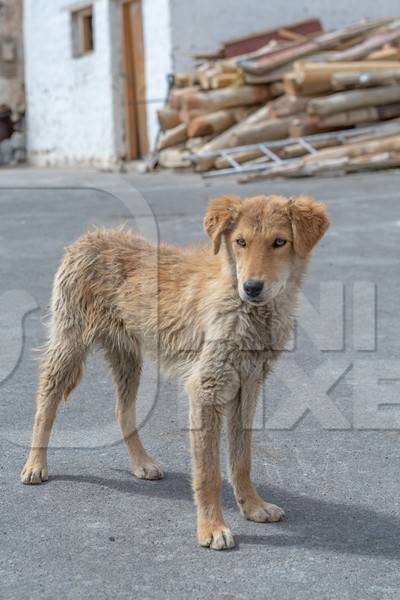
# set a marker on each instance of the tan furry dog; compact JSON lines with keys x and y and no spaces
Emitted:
{"x":216,"y":318}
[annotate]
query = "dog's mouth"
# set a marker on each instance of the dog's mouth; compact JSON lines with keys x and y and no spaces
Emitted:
{"x":256,"y":301}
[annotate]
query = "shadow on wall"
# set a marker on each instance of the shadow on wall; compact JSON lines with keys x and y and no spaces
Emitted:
{"x":312,"y":523}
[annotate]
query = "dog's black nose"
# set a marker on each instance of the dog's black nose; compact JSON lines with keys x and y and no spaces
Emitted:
{"x":253,"y":288}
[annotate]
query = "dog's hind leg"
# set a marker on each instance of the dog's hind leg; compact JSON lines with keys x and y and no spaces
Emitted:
{"x":126,"y":366}
{"x":60,"y":372}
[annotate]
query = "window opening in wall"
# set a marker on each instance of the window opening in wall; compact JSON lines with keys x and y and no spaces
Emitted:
{"x":82,"y":31}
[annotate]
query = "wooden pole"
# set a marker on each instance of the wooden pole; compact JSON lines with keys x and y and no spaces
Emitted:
{"x":343,"y":101}
{"x":168,"y":118}
{"x":226,"y":98}
{"x":371,"y":43}
{"x":211,"y":123}
{"x":274,"y":129}
{"x":225,"y":139}
{"x":173,"y":137}
{"x":358,"y":79}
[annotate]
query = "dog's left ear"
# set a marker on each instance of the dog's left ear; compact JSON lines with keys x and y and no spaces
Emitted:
{"x":221,"y":216}
{"x":309,"y":223}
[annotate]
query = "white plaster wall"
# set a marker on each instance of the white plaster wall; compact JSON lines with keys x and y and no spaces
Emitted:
{"x":75,"y":113}
{"x":70,"y":101}
{"x":158,"y":58}
{"x":202,"y":25}
{"x":12,"y":88}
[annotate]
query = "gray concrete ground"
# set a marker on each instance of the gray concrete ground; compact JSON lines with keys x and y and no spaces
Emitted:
{"x":93,"y":531}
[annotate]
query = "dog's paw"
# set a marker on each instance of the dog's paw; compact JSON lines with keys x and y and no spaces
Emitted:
{"x":218,"y":537}
{"x":148,"y":471}
{"x":33,"y":474}
{"x":262,"y":512}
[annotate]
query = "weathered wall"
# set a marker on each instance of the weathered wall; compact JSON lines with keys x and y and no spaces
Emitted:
{"x":75,"y":105}
{"x":70,"y":101}
{"x":201,"y":26}
{"x":11,"y":54}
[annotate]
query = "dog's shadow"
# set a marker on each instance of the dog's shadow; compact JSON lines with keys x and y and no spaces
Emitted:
{"x":311,"y":522}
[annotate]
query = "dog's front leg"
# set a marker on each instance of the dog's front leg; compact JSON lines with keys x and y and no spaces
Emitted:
{"x":240,"y":419}
{"x":205,"y":426}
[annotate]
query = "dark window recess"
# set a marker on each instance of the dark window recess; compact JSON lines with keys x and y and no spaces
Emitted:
{"x":82,"y":32}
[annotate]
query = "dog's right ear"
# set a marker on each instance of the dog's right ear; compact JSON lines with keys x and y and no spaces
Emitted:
{"x":309,"y":223}
{"x":221,"y":216}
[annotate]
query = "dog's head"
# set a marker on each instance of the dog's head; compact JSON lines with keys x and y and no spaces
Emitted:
{"x":267,"y":237}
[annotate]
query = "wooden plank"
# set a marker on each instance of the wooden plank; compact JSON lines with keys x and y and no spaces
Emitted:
{"x":288,"y":105}
{"x":274,"y":129}
{"x":296,"y":150}
{"x":343,"y":101}
{"x":135,"y":91}
{"x":271,"y":77}
{"x":389,"y":144}
{"x":385,"y":53}
{"x":360,"y":79}
{"x":178,"y":94}
{"x":304,"y":125}
{"x":211,"y":123}
{"x":278,"y":59}
{"x":349,"y":118}
{"x":168,"y":118}
{"x":313,"y":78}
{"x":281,"y":56}
{"x":140,"y":81}
{"x":173,"y":137}
{"x":371,"y":43}
{"x":288,"y":34}
{"x":225,"y":139}
{"x":224,"y":80}
{"x":183,"y":80}
{"x":340,"y":67}
{"x":293,"y":87}
{"x":343,"y":164}
{"x":226,"y":98}
{"x":186,"y":116}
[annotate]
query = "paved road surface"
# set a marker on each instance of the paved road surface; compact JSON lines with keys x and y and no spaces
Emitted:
{"x":95,"y":532}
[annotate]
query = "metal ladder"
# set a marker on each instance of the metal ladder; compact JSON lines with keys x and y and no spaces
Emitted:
{"x":267,"y":148}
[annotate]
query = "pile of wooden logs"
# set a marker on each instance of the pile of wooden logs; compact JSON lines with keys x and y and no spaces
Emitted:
{"x":301,"y":82}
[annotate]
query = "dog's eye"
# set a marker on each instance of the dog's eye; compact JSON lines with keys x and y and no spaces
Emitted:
{"x":278,"y":243}
{"x":241,"y":242}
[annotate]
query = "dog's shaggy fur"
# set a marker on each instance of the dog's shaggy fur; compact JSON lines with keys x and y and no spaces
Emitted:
{"x":195,"y":311}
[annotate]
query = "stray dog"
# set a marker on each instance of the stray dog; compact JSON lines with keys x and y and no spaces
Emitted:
{"x":218,"y":319}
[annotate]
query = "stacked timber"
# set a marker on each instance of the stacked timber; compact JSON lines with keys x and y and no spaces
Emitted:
{"x":293,"y":82}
